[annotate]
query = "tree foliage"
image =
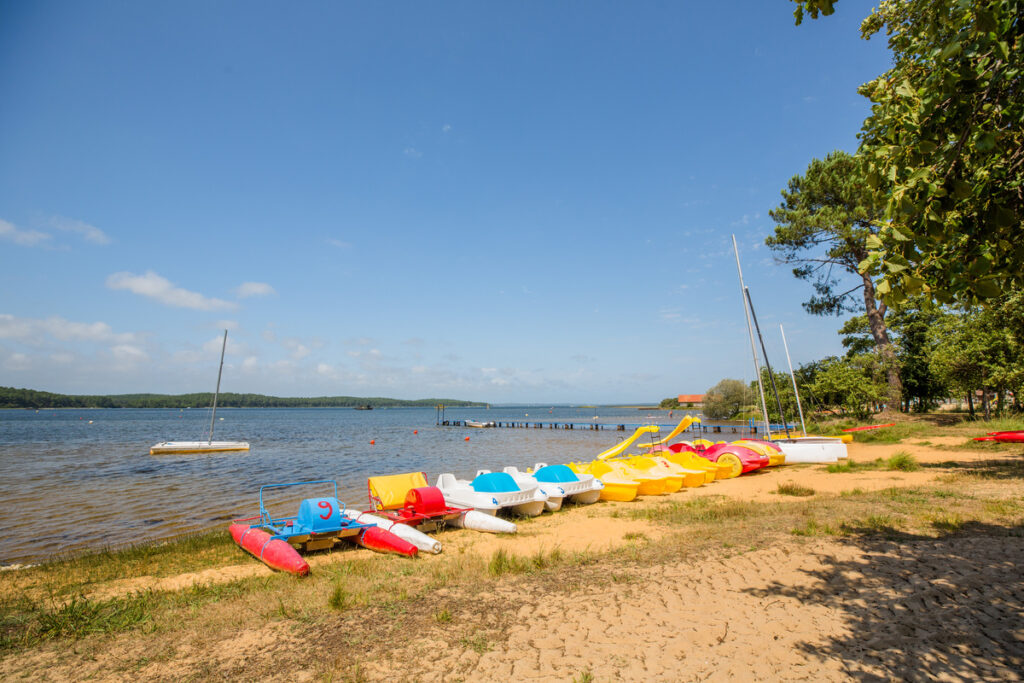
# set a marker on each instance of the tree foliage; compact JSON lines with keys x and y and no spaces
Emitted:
{"x":853,"y":385}
{"x":823,"y":226}
{"x":725,"y":399}
{"x":945,"y":142}
{"x":29,"y":398}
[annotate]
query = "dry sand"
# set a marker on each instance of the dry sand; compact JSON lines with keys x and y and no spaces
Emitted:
{"x":818,"y":609}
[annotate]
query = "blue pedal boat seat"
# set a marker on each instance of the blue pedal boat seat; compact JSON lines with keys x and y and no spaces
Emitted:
{"x":318,"y":516}
{"x":495,"y":482}
{"x":555,"y":474}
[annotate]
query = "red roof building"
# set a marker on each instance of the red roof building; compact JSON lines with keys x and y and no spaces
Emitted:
{"x":691,"y":398}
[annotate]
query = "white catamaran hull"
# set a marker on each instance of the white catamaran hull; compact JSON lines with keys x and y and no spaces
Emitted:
{"x":198,"y":447}
{"x":811,"y":449}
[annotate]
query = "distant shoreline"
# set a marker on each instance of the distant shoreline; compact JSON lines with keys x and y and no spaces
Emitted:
{"x":30,"y":399}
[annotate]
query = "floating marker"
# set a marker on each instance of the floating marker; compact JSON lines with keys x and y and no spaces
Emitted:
{"x":415,"y":431}
{"x":467,"y":438}
{"x":373,"y":441}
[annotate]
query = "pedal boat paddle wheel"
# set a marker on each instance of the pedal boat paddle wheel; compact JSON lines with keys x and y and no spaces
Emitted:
{"x":320,"y":524}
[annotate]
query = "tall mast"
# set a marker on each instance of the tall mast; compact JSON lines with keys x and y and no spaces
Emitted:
{"x":792,"y":376}
{"x":767,"y":363}
{"x":217,"y":391}
{"x":753,"y":349}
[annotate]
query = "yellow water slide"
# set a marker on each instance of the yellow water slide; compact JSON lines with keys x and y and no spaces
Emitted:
{"x":623,"y":445}
{"x":683,"y":425}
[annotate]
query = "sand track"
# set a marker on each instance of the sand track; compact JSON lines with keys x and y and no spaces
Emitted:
{"x":831,"y":610}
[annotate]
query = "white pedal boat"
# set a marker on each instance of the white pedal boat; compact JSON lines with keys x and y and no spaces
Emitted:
{"x":561,"y":484}
{"x":493,"y":491}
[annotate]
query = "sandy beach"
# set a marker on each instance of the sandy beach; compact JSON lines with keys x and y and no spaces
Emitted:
{"x":931,"y":594}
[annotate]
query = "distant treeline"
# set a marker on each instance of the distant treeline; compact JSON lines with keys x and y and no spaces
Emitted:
{"x":29,"y":398}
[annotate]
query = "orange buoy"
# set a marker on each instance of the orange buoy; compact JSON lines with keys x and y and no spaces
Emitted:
{"x":373,"y":441}
{"x":467,"y":438}
{"x":415,"y":431}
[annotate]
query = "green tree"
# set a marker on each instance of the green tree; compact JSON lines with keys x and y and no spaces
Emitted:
{"x":852,"y":385}
{"x":945,"y":140}
{"x":725,"y":399}
{"x":823,"y":226}
{"x":980,"y":348}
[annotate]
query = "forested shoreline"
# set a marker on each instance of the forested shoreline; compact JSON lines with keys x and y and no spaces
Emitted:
{"x":11,"y":397}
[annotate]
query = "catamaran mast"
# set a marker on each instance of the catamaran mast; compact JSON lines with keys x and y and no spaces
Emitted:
{"x":217,"y":391}
{"x":767,"y":363}
{"x":792,"y":376}
{"x":753,"y":349}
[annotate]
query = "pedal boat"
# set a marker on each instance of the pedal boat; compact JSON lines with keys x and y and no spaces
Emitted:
{"x":615,"y":486}
{"x":559,"y":483}
{"x":491,"y":492}
{"x":774,"y":453}
{"x":690,"y":478}
{"x":648,"y":484}
{"x":320,"y":525}
{"x":407,"y":499}
{"x":739,"y":458}
{"x":685,"y":455}
{"x":580,"y":489}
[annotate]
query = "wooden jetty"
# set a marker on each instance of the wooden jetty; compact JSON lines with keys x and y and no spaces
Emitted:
{"x":695,"y":430}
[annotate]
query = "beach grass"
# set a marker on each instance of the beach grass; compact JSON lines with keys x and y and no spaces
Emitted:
{"x":791,"y":489}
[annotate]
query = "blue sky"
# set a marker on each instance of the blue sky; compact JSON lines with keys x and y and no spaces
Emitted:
{"x":507,"y":202}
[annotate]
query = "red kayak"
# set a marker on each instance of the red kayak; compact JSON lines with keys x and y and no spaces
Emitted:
{"x":867,"y":427}
{"x":1003,"y":437}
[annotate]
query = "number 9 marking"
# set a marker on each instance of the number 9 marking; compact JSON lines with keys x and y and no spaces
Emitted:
{"x":326,"y":506}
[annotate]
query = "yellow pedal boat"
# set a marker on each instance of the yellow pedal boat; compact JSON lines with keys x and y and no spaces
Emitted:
{"x":774,"y":453}
{"x":647,"y":484}
{"x":616,"y":487}
{"x":692,"y":460}
{"x":689,"y":478}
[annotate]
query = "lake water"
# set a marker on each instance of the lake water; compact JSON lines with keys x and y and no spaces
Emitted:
{"x":77,"y":480}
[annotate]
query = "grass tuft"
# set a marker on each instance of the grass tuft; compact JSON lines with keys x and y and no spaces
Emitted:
{"x":791,"y":489}
{"x":813,"y":528}
{"x":853,"y":466}
{"x":903,"y":461}
{"x":477,"y":643}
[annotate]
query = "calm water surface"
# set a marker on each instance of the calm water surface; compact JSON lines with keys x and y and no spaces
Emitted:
{"x":76,"y":480}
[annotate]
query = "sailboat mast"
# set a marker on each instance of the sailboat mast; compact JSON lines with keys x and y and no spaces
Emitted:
{"x":767,"y":363}
{"x":792,"y":376}
{"x":213,"y":417}
{"x":753,"y":349}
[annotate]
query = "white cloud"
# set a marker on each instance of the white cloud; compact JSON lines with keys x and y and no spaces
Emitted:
{"x":247,"y":289}
{"x":234,"y":348}
{"x":163,"y":290}
{"x":32,"y":330}
{"x":90,"y":233}
{"x":17,"y":361}
{"x":129,"y":352}
{"x":446,"y":128}
{"x":299,"y":351}
{"x":340,"y":244}
{"x":24,"y":238}
{"x":412,"y":152}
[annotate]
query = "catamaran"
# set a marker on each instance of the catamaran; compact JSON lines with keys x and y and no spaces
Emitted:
{"x":819,"y":449}
{"x":208,"y":446}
